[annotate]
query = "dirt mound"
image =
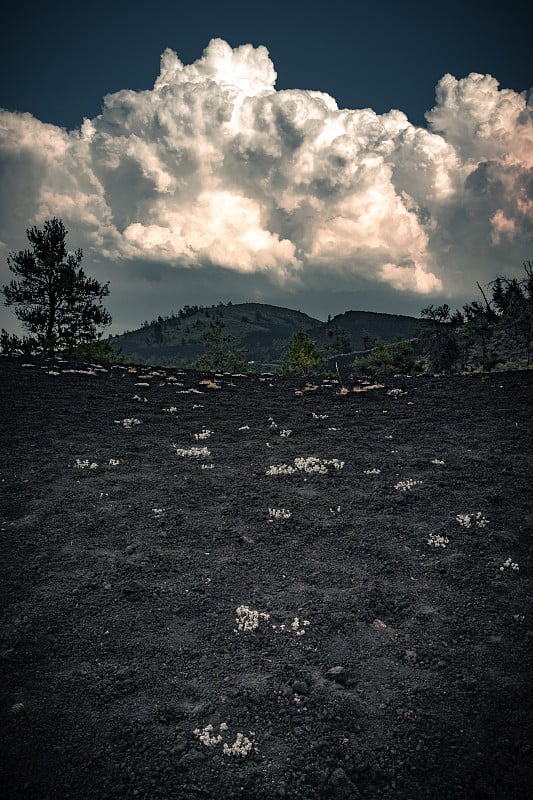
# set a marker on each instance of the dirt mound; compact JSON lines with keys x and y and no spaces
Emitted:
{"x":253,"y":588}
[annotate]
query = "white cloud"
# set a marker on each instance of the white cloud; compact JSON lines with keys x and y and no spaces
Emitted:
{"x":215,"y":168}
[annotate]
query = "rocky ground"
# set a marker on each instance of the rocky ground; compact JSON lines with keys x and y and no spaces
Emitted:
{"x":253,"y":588}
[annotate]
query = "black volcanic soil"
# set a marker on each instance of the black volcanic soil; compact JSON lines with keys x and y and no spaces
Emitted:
{"x":387,"y":667}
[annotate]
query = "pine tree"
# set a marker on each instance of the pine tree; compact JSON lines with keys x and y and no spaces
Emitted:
{"x":54,"y":299}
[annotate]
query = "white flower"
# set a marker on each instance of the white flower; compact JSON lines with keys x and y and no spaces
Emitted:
{"x":406,"y":486}
{"x":319,"y":416}
{"x":171,"y":409}
{"x":465,"y":520}
{"x":204,"y":434}
{"x":437,"y":461}
{"x":509,"y":563}
{"x":279,"y":513}
{"x":242,"y":746}
{"x":114,"y":462}
{"x":285,"y":432}
{"x":129,"y":422}
{"x":158,"y":512}
{"x":192,"y":452}
{"x":434,"y":540}
{"x":247,"y":619}
{"x":374,"y":471}
{"x":204,"y":735}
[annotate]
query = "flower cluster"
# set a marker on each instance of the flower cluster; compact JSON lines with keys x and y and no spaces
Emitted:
{"x":437,"y":462}
{"x":509,"y":564}
{"x":319,"y":416}
{"x":434,"y":540}
{"x":129,"y":422}
{"x":241,"y":747}
{"x":466,"y":520}
{"x":295,"y":625}
{"x":396,"y":392}
{"x":311,"y":465}
{"x":279,"y":513}
{"x":192,"y":452}
{"x":84,"y":463}
{"x":205,"y":737}
{"x":247,"y":619}
{"x":406,"y":486}
{"x":374,"y":471}
{"x":204,"y":434}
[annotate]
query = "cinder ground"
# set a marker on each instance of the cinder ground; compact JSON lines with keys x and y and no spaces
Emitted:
{"x":387,"y":667}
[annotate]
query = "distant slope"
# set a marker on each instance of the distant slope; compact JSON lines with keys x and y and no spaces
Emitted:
{"x":362,"y":327}
{"x":263,"y":330}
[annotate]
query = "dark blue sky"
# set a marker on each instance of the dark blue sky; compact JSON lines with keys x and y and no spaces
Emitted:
{"x":58,"y":61}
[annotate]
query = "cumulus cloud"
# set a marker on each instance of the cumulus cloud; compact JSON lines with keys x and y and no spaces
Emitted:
{"x":215,"y":168}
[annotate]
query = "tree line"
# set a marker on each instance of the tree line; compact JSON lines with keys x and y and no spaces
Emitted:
{"x":61,"y":308}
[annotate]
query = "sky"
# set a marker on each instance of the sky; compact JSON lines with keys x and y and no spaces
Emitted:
{"x":323,"y":157}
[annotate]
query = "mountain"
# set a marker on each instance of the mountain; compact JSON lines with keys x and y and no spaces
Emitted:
{"x":362,"y":327}
{"x":263,"y":330}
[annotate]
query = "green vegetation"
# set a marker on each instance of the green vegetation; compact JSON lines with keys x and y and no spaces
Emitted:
{"x":395,"y":358}
{"x":484,"y":335}
{"x":54,"y":299}
{"x":219,"y":354}
{"x":303,"y":356}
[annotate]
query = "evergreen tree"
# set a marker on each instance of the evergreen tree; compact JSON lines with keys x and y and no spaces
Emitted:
{"x":54,"y":299}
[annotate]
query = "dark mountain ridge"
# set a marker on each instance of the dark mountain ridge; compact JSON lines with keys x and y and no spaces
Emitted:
{"x":263,"y":331}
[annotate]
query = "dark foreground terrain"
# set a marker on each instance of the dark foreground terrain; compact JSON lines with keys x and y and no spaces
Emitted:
{"x":149,"y":590}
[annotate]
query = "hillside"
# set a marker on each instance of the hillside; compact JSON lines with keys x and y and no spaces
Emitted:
{"x":263,"y":330}
{"x":264,"y":589}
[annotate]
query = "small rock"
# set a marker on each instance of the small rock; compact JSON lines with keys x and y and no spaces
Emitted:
{"x":336,"y":673}
{"x":300,"y":687}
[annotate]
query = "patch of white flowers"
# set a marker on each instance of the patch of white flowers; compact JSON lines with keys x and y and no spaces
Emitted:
{"x":129,"y":422}
{"x":295,"y":625}
{"x":435,"y":540}
{"x":406,"y":486}
{"x":247,"y":619}
{"x":310,"y":465}
{"x":139,"y":399}
{"x":285,"y":432}
{"x":207,"y":466}
{"x":279,"y":513}
{"x":396,"y":392}
{"x":170,"y":409}
{"x":84,"y":463}
{"x":158,"y":512}
{"x":509,"y":564}
{"x":319,"y":416}
{"x":374,"y":471}
{"x":204,"y":434}
{"x":114,"y":462}
{"x":241,"y":747}
{"x":467,"y":520}
{"x":437,"y":462}
{"x":192,"y":452}
{"x":205,"y":736}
